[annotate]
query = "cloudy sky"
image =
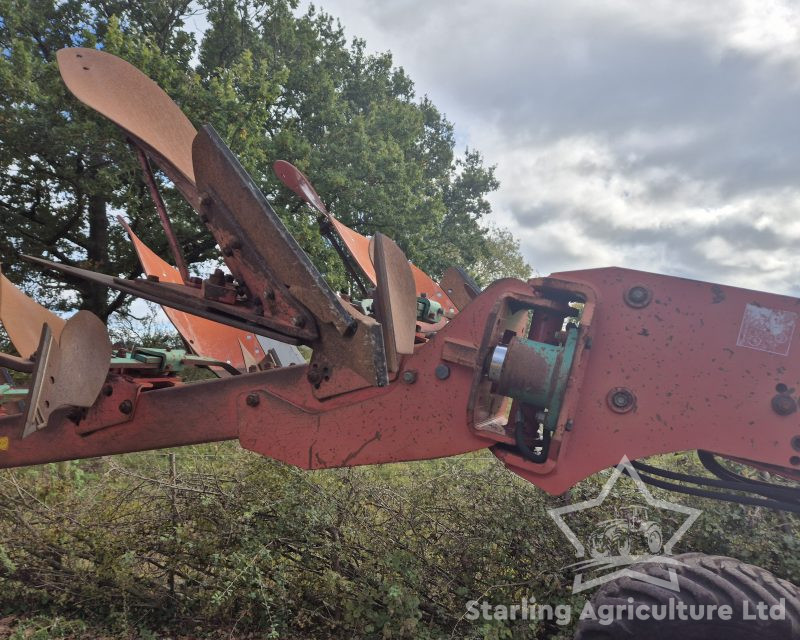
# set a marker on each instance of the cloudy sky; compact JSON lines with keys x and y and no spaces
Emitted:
{"x":661,"y":135}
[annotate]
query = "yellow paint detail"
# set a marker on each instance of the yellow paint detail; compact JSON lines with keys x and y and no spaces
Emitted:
{"x":4,"y":443}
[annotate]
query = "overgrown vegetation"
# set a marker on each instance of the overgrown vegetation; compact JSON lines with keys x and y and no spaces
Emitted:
{"x":214,"y":541}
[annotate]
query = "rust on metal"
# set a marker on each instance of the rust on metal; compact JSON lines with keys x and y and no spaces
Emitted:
{"x":69,"y":371}
{"x":296,"y":180}
{"x":459,"y":287}
{"x":395,"y":300}
{"x":191,"y":301}
{"x":205,"y":337}
{"x":132,"y":101}
{"x":458,"y":352}
{"x":301,"y":186}
{"x":353,"y":361}
{"x":356,"y":244}
{"x":695,"y":365}
{"x":783,"y":404}
{"x":267,"y":257}
{"x":686,"y":372}
{"x":163,"y":216}
{"x":358,"y":247}
{"x":290,"y":423}
{"x":105,"y":412}
{"x":638,"y":296}
{"x":621,"y":400}
{"x":524,"y":369}
{"x":23,"y":318}
{"x":15,"y":363}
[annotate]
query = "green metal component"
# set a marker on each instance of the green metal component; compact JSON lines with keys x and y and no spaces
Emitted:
{"x":11,"y":394}
{"x":536,"y":373}
{"x":157,"y":361}
{"x":560,"y":379}
{"x":429,"y":310}
{"x":536,"y":390}
{"x":169,"y":360}
{"x":160,"y":362}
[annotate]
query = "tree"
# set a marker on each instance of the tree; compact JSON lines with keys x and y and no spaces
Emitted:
{"x":501,"y":258}
{"x":275,"y":84}
{"x":65,"y":170}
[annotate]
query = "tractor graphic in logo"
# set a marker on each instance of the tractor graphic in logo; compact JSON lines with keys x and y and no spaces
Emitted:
{"x":616,"y":536}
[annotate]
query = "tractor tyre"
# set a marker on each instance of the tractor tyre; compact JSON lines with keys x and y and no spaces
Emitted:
{"x":703,"y":580}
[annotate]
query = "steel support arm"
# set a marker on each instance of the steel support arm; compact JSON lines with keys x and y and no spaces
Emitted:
{"x":658,"y":364}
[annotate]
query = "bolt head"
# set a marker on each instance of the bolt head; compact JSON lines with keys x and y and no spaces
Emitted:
{"x":409,"y":376}
{"x":442,"y":372}
{"x":621,"y":399}
{"x":126,"y":407}
{"x":638,"y":296}
{"x":253,"y":399}
{"x":784,"y":404}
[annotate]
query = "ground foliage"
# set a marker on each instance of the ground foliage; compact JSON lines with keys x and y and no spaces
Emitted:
{"x":218,"y":542}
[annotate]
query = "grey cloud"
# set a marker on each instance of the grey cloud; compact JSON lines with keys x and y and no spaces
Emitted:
{"x":689,"y":121}
{"x":542,"y":71}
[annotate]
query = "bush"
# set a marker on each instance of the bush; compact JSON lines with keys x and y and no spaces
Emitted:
{"x":213,"y":541}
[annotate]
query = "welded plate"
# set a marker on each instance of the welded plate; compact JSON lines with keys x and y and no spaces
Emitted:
{"x":23,"y":318}
{"x":70,"y":371}
{"x":127,"y":97}
{"x":358,"y":247}
{"x":245,"y":225}
{"x":459,"y":287}
{"x":285,"y":354}
{"x":190,"y":300}
{"x":395,"y":299}
{"x":205,"y":337}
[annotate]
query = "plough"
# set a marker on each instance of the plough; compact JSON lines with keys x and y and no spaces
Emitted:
{"x":559,"y":376}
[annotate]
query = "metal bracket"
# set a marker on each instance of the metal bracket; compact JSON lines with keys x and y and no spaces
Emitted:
{"x":68,"y":372}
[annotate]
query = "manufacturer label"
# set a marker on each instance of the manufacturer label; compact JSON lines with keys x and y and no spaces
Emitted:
{"x":766,"y":329}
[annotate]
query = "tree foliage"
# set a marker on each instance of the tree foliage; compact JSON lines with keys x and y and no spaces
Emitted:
{"x":275,"y":84}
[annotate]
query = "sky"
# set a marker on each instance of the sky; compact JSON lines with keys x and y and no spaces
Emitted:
{"x":655,"y":135}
